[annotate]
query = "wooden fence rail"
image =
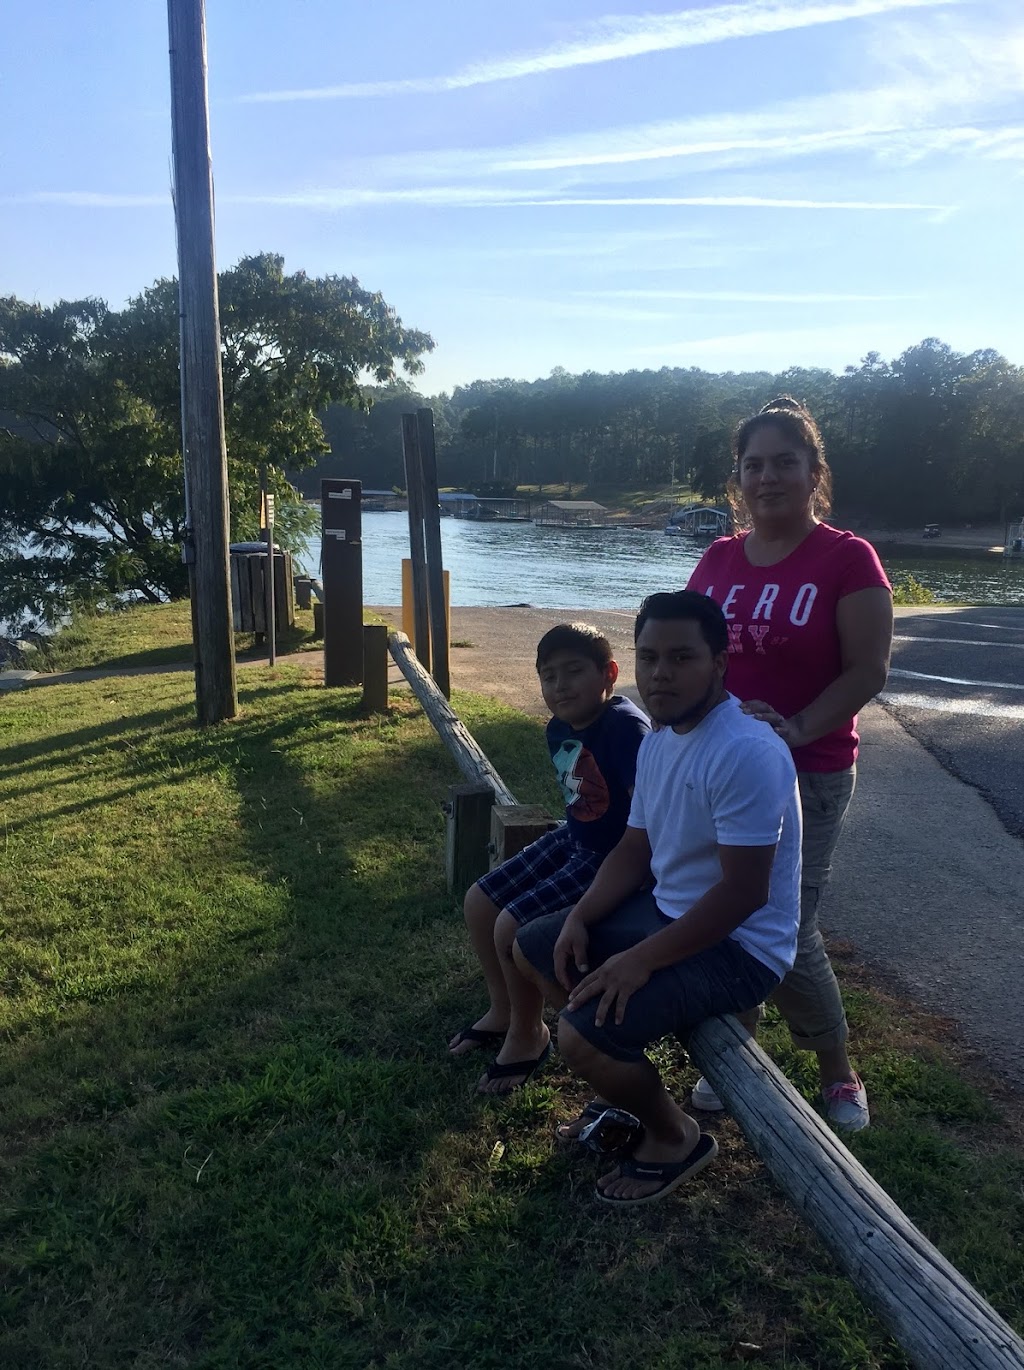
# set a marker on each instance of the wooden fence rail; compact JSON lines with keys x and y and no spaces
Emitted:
{"x":939,"y":1319}
{"x":469,"y":758}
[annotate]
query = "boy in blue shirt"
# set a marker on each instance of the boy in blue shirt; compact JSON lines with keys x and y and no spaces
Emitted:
{"x":593,"y":737}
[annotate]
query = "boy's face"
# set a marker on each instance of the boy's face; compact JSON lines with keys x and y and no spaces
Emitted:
{"x":575,"y":688}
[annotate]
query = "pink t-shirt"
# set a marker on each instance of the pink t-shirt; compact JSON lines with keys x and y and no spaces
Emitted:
{"x":783,"y":642}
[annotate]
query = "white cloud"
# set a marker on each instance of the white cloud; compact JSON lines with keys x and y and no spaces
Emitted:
{"x":548,"y":307}
{"x":802,"y":346}
{"x":476,"y":197}
{"x":734,"y":202}
{"x":615,"y":38}
{"x":743,"y":296}
{"x":88,"y":199}
{"x":939,"y":88}
{"x":467,"y":197}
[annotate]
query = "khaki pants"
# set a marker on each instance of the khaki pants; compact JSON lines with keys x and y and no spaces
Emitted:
{"x":808,"y":998}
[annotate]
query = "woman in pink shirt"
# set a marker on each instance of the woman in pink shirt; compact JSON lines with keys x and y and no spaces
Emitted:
{"x":809,"y":611}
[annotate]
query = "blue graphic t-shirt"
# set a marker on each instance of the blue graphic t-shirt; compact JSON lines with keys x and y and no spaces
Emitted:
{"x":596,"y":769}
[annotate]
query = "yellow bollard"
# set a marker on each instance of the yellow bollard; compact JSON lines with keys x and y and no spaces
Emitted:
{"x":408,"y":625}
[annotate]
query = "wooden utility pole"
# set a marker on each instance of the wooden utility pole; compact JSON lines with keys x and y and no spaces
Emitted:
{"x":203,"y":446}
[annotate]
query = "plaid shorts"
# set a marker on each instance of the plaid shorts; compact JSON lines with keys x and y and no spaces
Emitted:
{"x":550,"y":874}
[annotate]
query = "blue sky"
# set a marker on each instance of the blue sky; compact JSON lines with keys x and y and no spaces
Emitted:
{"x":552,"y":182}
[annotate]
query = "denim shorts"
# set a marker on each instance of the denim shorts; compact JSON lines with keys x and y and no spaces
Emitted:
{"x":550,"y":874}
{"x":722,"y":979}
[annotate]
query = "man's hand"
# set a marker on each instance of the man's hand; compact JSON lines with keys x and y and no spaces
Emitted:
{"x":616,"y":982}
{"x":789,"y":729}
{"x":571,"y":950}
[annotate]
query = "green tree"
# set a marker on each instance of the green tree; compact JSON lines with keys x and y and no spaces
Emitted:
{"x":90,"y":462}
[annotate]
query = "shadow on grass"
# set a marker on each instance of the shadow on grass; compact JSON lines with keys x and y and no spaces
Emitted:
{"x":256,"y":1104}
{"x":246,"y":1144}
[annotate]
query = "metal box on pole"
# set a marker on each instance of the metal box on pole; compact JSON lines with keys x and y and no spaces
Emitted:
{"x":341,"y":523}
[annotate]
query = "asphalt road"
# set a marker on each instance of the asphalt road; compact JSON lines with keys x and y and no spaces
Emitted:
{"x":957,"y":685}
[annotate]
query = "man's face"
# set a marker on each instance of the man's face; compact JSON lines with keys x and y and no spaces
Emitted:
{"x":679,"y":678}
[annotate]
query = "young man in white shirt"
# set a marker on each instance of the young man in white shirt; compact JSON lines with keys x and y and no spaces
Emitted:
{"x":715,"y":820}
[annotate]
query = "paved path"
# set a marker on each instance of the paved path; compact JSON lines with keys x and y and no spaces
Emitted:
{"x":957,"y":684}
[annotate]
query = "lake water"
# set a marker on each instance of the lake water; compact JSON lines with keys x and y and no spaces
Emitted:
{"x":519,"y":563}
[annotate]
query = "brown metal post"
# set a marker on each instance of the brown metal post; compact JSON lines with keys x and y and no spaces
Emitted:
{"x":203,"y":442}
{"x":417,"y":552}
{"x":341,"y":518}
{"x":440,"y":667}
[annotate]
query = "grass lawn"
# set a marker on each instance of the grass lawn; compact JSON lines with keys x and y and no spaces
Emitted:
{"x":230,"y":1135}
{"x":151,"y":635}
{"x":633,"y":499}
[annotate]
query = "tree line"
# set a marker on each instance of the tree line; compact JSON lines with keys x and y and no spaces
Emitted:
{"x":932,"y":436}
{"x":91,"y":489}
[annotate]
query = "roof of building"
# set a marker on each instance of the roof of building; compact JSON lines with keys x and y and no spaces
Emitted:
{"x":581,"y":506}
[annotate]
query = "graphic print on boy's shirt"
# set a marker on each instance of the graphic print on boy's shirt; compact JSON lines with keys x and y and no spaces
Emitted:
{"x":584,"y":788}
{"x":596,"y":768}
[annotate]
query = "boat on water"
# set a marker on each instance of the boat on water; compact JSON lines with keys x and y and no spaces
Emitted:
{"x":701,"y":521}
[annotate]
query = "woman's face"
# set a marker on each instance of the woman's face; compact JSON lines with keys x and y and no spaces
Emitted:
{"x":776,"y":479}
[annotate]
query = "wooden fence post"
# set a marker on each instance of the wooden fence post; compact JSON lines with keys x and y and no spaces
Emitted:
{"x":468,"y":835}
{"x":375,"y":668}
{"x":515,"y":826}
{"x":440,"y":665}
{"x":417,"y":550}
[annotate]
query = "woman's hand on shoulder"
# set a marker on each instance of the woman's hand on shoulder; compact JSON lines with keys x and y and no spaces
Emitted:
{"x":789,"y":729}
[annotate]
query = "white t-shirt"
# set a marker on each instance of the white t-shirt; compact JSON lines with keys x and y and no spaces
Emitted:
{"x":730,"y":782}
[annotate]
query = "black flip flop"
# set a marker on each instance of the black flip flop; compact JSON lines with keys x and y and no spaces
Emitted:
{"x":590,"y":1114}
{"x":525,"y":1068}
{"x":671,"y":1173}
{"x":480,"y":1037}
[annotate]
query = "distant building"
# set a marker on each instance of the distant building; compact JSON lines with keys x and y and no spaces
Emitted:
{"x":572,"y":513}
{"x":484,"y":509}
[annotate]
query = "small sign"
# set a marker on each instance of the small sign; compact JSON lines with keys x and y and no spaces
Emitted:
{"x":340,"y":494}
{"x":337,"y":533}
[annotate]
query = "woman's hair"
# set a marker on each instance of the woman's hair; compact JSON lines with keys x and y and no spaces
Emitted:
{"x":791,"y":418}
{"x":686,"y":604}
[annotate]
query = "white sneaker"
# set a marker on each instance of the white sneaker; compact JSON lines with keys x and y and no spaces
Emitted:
{"x":846,"y":1105}
{"x":702,"y":1096}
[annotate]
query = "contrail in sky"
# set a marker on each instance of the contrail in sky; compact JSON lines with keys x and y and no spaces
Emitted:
{"x":614,"y":38}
